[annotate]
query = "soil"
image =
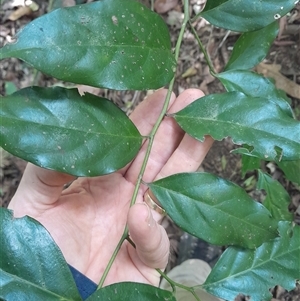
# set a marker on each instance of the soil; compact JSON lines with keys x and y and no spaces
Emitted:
{"x":192,"y":72}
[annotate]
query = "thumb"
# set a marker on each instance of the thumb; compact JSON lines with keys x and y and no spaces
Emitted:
{"x":39,"y":187}
{"x":151,"y":240}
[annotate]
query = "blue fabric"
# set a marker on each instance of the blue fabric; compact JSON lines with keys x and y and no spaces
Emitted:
{"x":85,"y":285}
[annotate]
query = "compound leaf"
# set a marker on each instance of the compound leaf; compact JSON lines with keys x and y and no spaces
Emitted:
{"x":32,"y":267}
{"x":131,"y":291}
{"x":252,"y":47}
{"x":246,"y":15}
{"x":255,"y":85}
{"x":116,"y":44}
{"x":254,"y":272}
{"x":257,"y":122}
{"x":58,"y":129}
{"x":214,"y":209}
{"x":277,"y":199}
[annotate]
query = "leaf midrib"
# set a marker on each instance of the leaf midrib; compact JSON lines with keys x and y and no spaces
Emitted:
{"x":253,"y":267}
{"x":237,"y":125}
{"x":70,"y":129}
{"x":35,"y":285}
{"x":245,"y":222}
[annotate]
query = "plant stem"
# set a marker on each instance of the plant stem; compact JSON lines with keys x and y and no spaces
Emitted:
{"x":174,"y":284}
{"x":152,"y":5}
{"x":149,"y":147}
{"x":113,"y":257}
{"x":206,"y":56}
{"x":165,"y":106}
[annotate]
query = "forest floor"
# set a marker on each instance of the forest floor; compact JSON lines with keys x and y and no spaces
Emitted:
{"x":282,"y":63}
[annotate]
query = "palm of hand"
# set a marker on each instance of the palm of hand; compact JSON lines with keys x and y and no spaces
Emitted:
{"x":93,"y":214}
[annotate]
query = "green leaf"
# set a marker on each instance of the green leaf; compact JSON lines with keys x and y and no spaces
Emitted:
{"x":255,"y":85}
{"x":10,"y":88}
{"x":32,"y":267}
{"x":131,"y":291}
{"x":249,"y":163}
{"x":246,"y":15}
{"x":254,"y":121}
{"x":214,"y":209}
{"x":252,"y":47}
{"x":291,"y":170}
{"x":117,"y":44}
{"x":254,"y":272}
{"x":277,"y":199}
{"x":58,"y":129}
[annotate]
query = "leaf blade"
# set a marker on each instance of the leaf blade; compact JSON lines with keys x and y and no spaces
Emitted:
{"x":254,"y":272}
{"x":243,"y":17}
{"x":209,"y":212}
{"x":58,"y":129}
{"x":277,"y":199}
{"x":255,"y":85}
{"x":257,"y":122}
{"x":30,"y":258}
{"x":291,"y":170}
{"x":131,"y":291}
{"x":246,"y":54}
{"x":99,"y":44}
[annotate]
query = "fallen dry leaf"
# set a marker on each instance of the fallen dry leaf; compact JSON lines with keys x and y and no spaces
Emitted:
{"x":163,"y":6}
{"x":92,"y":90}
{"x":26,"y":9}
{"x":282,"y":82}
{"x":189,"y":72}
{"x":19,"y":13}
{"x":68,"y":3}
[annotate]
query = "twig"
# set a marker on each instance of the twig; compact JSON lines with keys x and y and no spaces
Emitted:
{"x":151,"y":139}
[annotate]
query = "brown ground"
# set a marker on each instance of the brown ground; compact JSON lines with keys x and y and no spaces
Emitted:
{"x":284,"y":58}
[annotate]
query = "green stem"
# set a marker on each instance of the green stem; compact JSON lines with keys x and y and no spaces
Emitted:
{"x":152,"y":5}
{"x":206,"y":56}
{"x":174,"y":284}
{"x":165,"y":106}
{"x":149,"y":147}
{"x":113,"y":257}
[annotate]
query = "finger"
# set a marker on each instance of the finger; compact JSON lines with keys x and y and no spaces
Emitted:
{"x":166,"y":141}
{"x":39,"y":187}
{"x":147,"y":112}
{"x":190,"y":153}
{"x":144,"y":117}
{"x":150,"y":238}
{"x":187,"y":157}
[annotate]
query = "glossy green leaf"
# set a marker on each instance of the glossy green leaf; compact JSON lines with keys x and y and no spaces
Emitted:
{"x":257,"y":122}
{"x":291,"y":170}
{"x":249,"y":163}
{"x":117,"y":44}
{"x":9,"y":88}
{"x":255,"y":85}
{"x":252,"y":47}
{"x":58,"y":129}
{"x":277,"y":200}
{"x":214,"y":209}
{"x":32,"y":267}
{"x":254,"y":272}
{"x":245,"y":15}
{"x":131,"y":291}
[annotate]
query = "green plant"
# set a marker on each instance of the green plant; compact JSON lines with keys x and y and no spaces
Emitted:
{"x":127,"y":47}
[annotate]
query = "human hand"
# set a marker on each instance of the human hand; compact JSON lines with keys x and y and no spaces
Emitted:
{"x":87,"y":219}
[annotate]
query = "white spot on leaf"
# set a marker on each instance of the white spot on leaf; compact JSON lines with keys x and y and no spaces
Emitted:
{"x":115,"y":20}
